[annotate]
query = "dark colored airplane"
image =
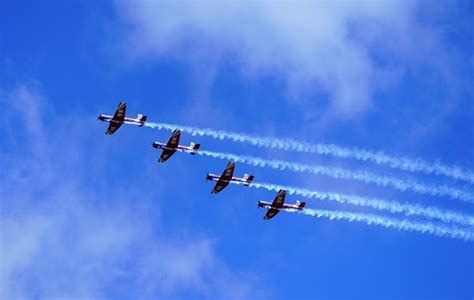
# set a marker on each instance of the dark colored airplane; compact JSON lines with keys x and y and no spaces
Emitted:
{"x":173,"y":145}
{"x":227,"y":177}
{"x":279,"y":204}
{"x":119,"y":118}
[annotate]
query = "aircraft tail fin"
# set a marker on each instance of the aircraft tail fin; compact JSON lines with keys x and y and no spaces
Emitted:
{"x":300,"y":204}
{"x":195,"y":148}
{"x":248,"y":178}
{"x":142,"y":118}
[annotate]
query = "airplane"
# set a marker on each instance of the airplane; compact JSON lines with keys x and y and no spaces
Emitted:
{"x":119,"y":118}
{"x":173,"y":145}
{"x":279,"y":204}
{"x":227,"y":177}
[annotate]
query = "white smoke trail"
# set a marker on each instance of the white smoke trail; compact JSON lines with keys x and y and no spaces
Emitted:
{"x":380,"y":158}
{"x":449,"y":217}
{"x":371,"y":219}
{"x":402,"y":185}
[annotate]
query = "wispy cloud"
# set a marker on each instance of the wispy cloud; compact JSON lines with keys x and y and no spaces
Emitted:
{"x":60,"y":236}
{"x":316,"y":46}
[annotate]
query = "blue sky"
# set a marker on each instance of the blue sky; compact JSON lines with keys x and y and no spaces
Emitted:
{"x":89,"y":216}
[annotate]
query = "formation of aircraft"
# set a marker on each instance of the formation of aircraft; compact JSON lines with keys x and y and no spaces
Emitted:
{"x":173,"y":145}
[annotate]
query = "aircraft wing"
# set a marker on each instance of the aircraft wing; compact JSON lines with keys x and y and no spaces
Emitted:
{"x":277,"y":203}
{"x":119,"y":114}
{"x":271,"y":213}
{"x":173,"y":142}
{"x":225,"y":178}
{"x":113,"y":127}
{"x":165,"y":155}
{"x":117,"y":119}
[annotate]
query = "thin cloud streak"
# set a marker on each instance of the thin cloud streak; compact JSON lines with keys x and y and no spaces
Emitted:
{"x":370,"y":219}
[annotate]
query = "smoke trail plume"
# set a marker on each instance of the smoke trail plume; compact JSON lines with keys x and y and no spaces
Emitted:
{"x":449,"y":217}
{"x":371,"y":219}
{"x":411,"y":165}
{"x":339,"y":173}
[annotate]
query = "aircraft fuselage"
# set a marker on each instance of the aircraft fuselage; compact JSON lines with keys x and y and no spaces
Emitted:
{"x":214,"y":177}
{"x":180,"y":148}
{"x":265,"y":204}
{"x":126,"y":120}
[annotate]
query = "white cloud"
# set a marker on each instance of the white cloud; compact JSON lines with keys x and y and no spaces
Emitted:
{"x":62,"y":238}
{"x":317,"y":46}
